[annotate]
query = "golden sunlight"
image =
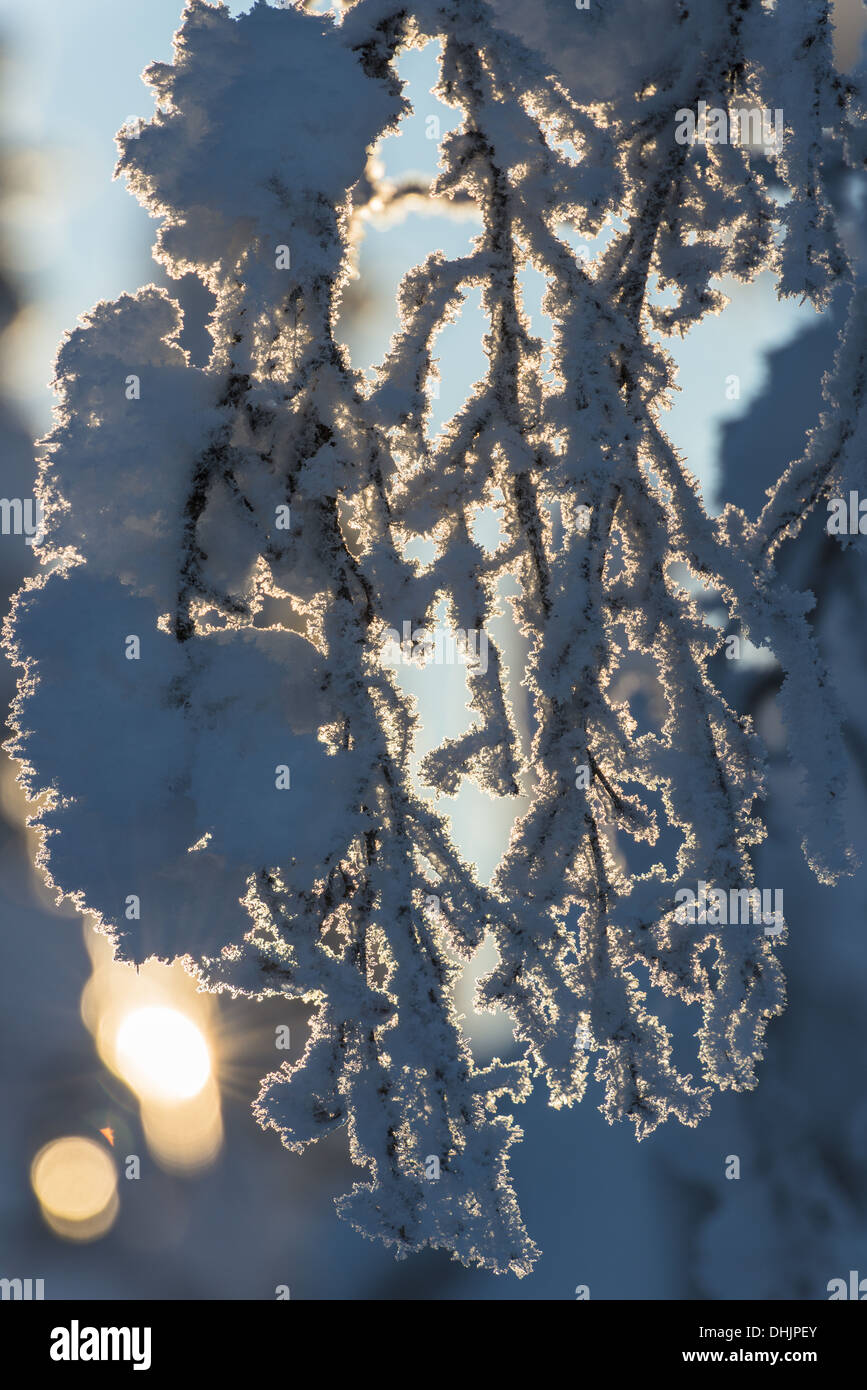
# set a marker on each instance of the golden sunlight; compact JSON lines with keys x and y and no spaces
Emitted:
{"x":162,"y":1055}
{"x":156,"y":1032}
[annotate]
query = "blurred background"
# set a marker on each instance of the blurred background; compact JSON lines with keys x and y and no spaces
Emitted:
{"x":130,"y":1164}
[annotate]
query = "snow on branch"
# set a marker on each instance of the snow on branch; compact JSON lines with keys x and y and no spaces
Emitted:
{"x":226,"y":553}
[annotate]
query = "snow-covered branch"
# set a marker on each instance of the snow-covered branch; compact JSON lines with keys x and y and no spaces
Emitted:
{"x":223,"y":755}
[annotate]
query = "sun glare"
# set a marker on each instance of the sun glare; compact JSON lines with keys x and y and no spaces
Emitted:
{"x":162,"y":1055}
